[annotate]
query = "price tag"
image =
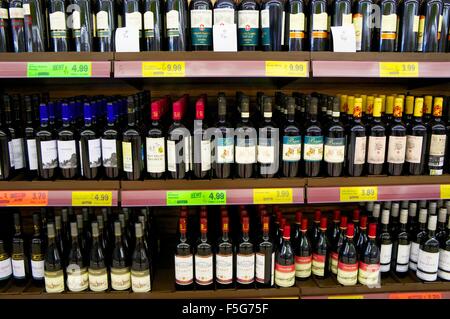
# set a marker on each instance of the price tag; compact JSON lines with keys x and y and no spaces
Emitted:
{"x":445,"y":191}
{"x":416,"y":295}
{"x":272,"y":196}
{"x":196,"y":197}
{"x":287,"y":68}
{"x":94,"y":198}
{"x":346,"y":297}
{"x":164,"y":69}
{"x":399,"y":69}
{"x":23,"y":198}
{"x":59,"y":69}
{"x":359,"y":194}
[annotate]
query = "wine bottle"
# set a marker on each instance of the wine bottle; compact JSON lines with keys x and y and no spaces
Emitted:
{"x":401,"y":247}
{"x":223,"y":144}
{"x":140,"y":266}
{"x":341,"y":15}
{"x":385,"y":240}
{"x":427,"y":109}
{"x":408,"y":32}
{"x":444,"y":256}
{"x":82,"y":26}
{"x":265,"y":257}
{"x":106,"y":24}
{"x":334,"y":148}
{"x":5,"y":40}
{"x":430,"y":25}
{"x":34,"y":25}
{"x":77,"y":273}
{"x":19,"y":256}
{"x":315,"y":231}
{"x":155,"y":144}
{"x":318,"y":25}
{"x":13,"y":119}
{"x":336,"y":245}
{"x":204,"y":266}
{"x":202,"y":142}
{"x":355,"y":220}
{"x":412,"y":221}
{"x":272,"y":25}
{"x":445,"y":27}
{"x":362,"y":239}
{"x":57,"y":18}
{"x":377,"y":142}
{"x":321,"y":251}
{"x":303,"y":253}
{"x":409,"y":106}
{"x":396,"y":141}
{"x":37,"y":252}
{"x":201,"y":25}
{"x":437,"y":140}
{"x":53,"y":265}
{"x":224,"y":258}
{"x":387,"y":33}
{"x":177,"y":145}
{"x":417,"y":237}
{"x":416,"y":142}
{"x":184,"y":260}
{"x":98,"y":275}
{"x":313,"y":142}
{"x":111,"y":144}
{"x":428,"y":259}
{"x":31,"y":164}
{"x":268,"y":142}
{"x":333,"y":232}
{"x":46,"y":146}
{"x":245,"y":142}
{"x":285,"y":261}
{"x":356,"y":156}
{"x":67,"y":150}
{"x":89,"y":145}
{"x":120,"y":267}
{"x":153,"y":25}
{"x":369,"y":262}
{"x":292,"y":142}
{"x":59,"y":238}
{"x":133,"y":15}
{"x":245,"y":257}
{"x":295,"y":37}
{"x":16,"y":14}
{"x":224,"y":12}
{"x":362,"y":20}
{"x":176,"y":26}
{"x":248,"y":25}
{"x":6,"y":161}
{"x":347,"y":272}
{"x":132,"y":145}
{"x":441,"y":231}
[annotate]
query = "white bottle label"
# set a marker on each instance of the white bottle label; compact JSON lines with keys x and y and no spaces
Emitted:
{"x":98,"y":279}
{"x":206,"y":155}
{"x":140,"y":281}
{"x":357,"y":22}
{"x":223,"y":16}
{"x":49,"y":154}
{"x":245,"y":268}
{"x":347,"y":274}
{"x":437,"y":145}
{"x":11,"y":153}
{"x":67,"y":154}
{"x":57,"y":21}
{"x":16,"y":13}
{"x":320,"y":21}
{"x":369,"y":274}
{"x":334,"y":149}
{"x":37,"y":269}
{"x":102,"y":20}
{"x":413,"y":255}
{"x":77,"y":279}
{"x":149,"y":21}
{"x":266,"y":154}
{"x":95,"y":153}
{"x":201,"y":19}
{"x":172,"y":22}
{"x":427,"y":265}
{"x":265,"y":18}
{"x":414,"y":149}
{"x":224,"y":269}
{"x":109,"y":152}
{"x":248,"y":19}
{"x":297,"y":22}
{"x":203,"y":270}
{"x":245,"y":154}
{"x":32,"y":154}
{"x":389,"y":23}
{"x":303,"y":266}
{"x":54,"y":281}
{"x":318,"y":265}
{"x":396,"y":149}
{"x":347,"y":19}
{"x":313,"y":148}
{"x":4,"y":13}
{"x":18,"y":153}
{"x":416,"y":24}
{"x":76,"y":21}
{"x":285,"y":275}
{"x":5,"y":268}
{"x":377,"y":149}
{"x":385,"y":257}
{"x":260,"y":267}
{"x":444,"y":264}
{"x":225,"y":150}
{"x":127,"y":157}
{"x":156,"y":158}
{"x":133,"y":19}
{"x":18,"y":268}
{"x":403,"y":258}
{"x":171,"y":156}
{"x":292,"y":148}
{"x":360,"y":150}
{"x":120,"y":279}
{"x":184,"y":270}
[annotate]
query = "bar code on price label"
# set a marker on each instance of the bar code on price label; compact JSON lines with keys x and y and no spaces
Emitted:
{"x":358,"y":194}
{"x":94,"y":198}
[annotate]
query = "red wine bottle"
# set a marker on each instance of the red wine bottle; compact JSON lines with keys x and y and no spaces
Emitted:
{"x":46,"y":146}
{"x":177,"y":145}
{"x":401,"y":247}
{"x":246,"y":142}
{"x":385,"y":239}
{"x":16,"y":14}
{"x":223,"y":145}
{"x":396,"y":141}
{"x":202,"y":142}
{"x":106,"y":24}
{"x":428,"y":259}
{"x":357,"y":140}
{"x":333,"y":233}
{"x":5,"y":40}
{"x":355,"y":220}
{"x":89,"y":145}
{"x":155,"y":143}
{"x":265,"y":257}
{"x":68,"y":156}
{"x":184,"y":260}
{"x":334,"y":148}
{"x":362,"y":239}
{"x":321,"y":247}
{"x":303,"y":253}
{"x":376,"y":154}
{"x":318,"y":25}
{"x":336,"y":245}
{"x":225,"y":258}
{"x":441,"y":231}
{"x":362,"y":19}
{"x":292,"y":142}
{"x":416,"y":142}
{"x":416,"y":239}
{"x":245,"y":259}
{"x":296,"y":229}
{"x":132,"y":144}
{"x":444,"y":256}
{"x":313,"y":142}
{"x":111,"y":143}
{"x":387,"y":33}
{"x":445,"y":28}
{"x":272,"y":25}
{"x":204,"y":266}
{"x":369,"y":262}
{"x":408,"y":26}
{"x":430,"y":25}
{"x":295,"y":35}
{"x":268,"y":143}
{"x":437,"y":140}
{"x":315,"y":231}
{"x":347,"y":273}
{"x":285,"y":261}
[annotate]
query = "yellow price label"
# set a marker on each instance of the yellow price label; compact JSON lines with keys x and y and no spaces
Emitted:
{"x":346,"y":297}
{"x":445,"y":191}
{"x":358,"y":194}
{"x":399,"y":69}
{"x":272,"y":196}
{"x":94,"y":198}
{"x":164,"y":69}
{"x":287,"y":68}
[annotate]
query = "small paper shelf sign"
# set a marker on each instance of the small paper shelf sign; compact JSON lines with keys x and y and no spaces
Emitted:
{"x":59,"y":69}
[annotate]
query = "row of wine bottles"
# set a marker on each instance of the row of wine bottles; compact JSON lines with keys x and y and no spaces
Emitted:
{"x":81,"y":251}
{"x":175,"y":25}
{"x":286,"y":136}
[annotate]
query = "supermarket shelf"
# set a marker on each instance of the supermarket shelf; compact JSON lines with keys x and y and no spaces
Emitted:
{"x":238,"y":192}
{"x":14,"y":65}
{"x":328,"y":190}
{"x":367,"y":64}
{"x":206,"y":64}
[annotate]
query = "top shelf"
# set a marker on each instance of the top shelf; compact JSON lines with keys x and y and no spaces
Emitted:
{"x":226,"y":65}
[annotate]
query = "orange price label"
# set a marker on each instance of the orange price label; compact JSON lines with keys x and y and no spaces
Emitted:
{"x":416,"y":295}
{"x":23,"y":198}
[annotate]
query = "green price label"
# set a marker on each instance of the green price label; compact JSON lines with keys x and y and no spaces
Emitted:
{"x":59,"y":69}
{"x":186,"y":198}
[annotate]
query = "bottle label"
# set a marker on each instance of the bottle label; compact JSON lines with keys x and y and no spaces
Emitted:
{"x":49,"y":154}
{"x":5,"y":268}
{"x":292,"y":146}
{"x":297,"y":25}
{"x":420,"y":35}
{"x":67,"y":154}
{"x":284,"y":275}
{"x":427,"y":265}
{"x":54,"y":281}
{"x":4,"y":13}
{"x":102,"y":21}
{"x":260,"y":267}
{"x":313,"y":148}
{"x":444,"y":264}
{"x":225,"y":150}
{"x":385,"y":257}
{"x":347,"y":274}
{"x":18,"y":266}
{"x":149,"y":24}
{"x":266,"y":153}
{"x":32,"y":154}
{"x":360,"y":150}
{"x":37,"y":269}
{"x":184,"y":270}
{"x":140,"y":281}
{"x":334,"y":150}
{"x":171,"y":156}
{"x":77,"y":279}
{"x":414,"y":148}
{"x":403,"y":258}
{"x":265,"y":26}
{"x":347,"y":19}
{"x":357,"y":22}
{"x":156,"y":159}
{"x":98,"y":279}
{"x":248,"y":23}
{"x":120,"y":278}
{"x":245,"y":151}
{"x":416,"y":24}
{"x":224,"y":269}
{"x":303,"y":266}
{"x":396,"y":149}
{"x":18,"y":153}
{"x":334,"y":262}
{"x":127,"y":156}
{"x":16,"y":13}
{"x":369,"y":274}
{"x":204,"y":270}
{"x":133,"y":19}
{"x":188,"y":153}
{"x":206,"y":155}
{"x":436,"y":156}
{"x":172,"y":23}
{"x":11,"y":153}
{"x":109,"y":152}
{"x":320,"y":21}
{"x":223,"y":16}
{"x":201,"y":27}
{"x":245,"y":268}
{"x":95,"y":153}
{"x":377,"y":149}
{"x":388,"y":26}
{"x":413,"y":255}
{"x":318,"y":265}
{"x":58,"y":21}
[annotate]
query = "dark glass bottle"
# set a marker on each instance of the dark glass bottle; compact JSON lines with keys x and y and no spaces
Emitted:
{"x":37,"y":250}
{"x":90,"y":150}
{"x":224,"y":258}
{"x":111,"y":143}
{"x":177,"y":145}
{"x":436,"y":140}
{"x":223,"y":144}
{"x":347,"y":272}
{"x":430,"y":25}
{"x":401,"y":247}
{"x":441,"y":232}
{"x":318,"y":25}
{"x":153,"y":25}
{"x":5,"y":264}
{"x":204,"y":265}
{"x":320,"y":259}
{"x":245,"y":142}
{"x":13,"y":120}
{"x":416,"y":142}
{"x":248,"y":25}
{"x":16,"y":15}
{"x":313,"y":142}
{"x":184,"y":260}
{"x":376,"y":154}
{"x":295,"y":34}
{"x":98,"y":273}
{"x":315,"y":231}
{"x":133,"y":16}
{"x":334,"y":231}
{"x":272,"y":25}
{"x":369,"y":262}
{"x":285,"y":261}
{"x":67,"y":145}
{"x":361,"y":239}
{"x":385,"y":240}
{"x":46,"y":146}
{"x":412,"y":220}
{"x":334,"y":148}
{"x":53,"y":265}
{"x":30,"y":140}
{"x":445,"y":28}
{"x":341,"y":15}
{"x":202,"y":143}
{"x":292,"y":142}
{"x":303,"y":253}
{"x":444,"y":254}
{"x":6,"y":160}
{"x":59,"y":36}
{"x":408,"y":32}
{"x":156,"y":144}
{"x":106,"y":24}
{"x":225,"y":13}
{"x":132,"y":146}
{"x":396,"y":141}
{"x":245,"y":257}
{"x":386,"y":35}
{"x":416,"y":239}
{"x":357,"y":139}
{"x":140,"y":264}
{"x":176,"y":26}
{"x":19,"y":254}
{"x":268,"y":141}
{"x":82,"y":26}
{"x":120,"y":267}
{"x":428,"y":259}
{"x":5,"y":39}
{"x":77,"y":273}
{"x":34,"y":25}
{"x":265,"y":257}
{"x":201,"y":19}
{"x":336,"y":245}
{"x":362,"y":19}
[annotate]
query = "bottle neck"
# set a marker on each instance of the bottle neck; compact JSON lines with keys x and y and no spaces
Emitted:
{"x":204,"y":237}
{"x":183,"y":237}
{"x":225,"y":235}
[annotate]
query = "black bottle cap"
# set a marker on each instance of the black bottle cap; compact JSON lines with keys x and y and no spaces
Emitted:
{"x":336,"y":104}
{"x":267,"y":104}
{"x":245,"y":104}
{"x":290,"y":101}
{"x":222,"y":104}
